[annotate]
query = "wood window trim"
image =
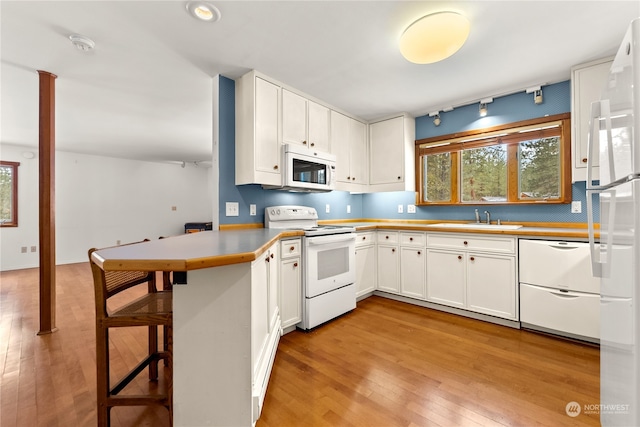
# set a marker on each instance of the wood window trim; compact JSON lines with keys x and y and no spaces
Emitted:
{"x":14,"y":193}
{"x":455,"y":143}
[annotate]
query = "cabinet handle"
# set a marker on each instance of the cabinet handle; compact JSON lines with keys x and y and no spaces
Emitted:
{"x":295,"y":264}
{"x":459,"y":256}
{"x":267,"y":259}
{"x":399,"y":177}
{"x":465,"y":243}
{"x":472,"y":258}
{"x":304,"y":142}
{"x":353,"y":178}
{"x":275,"y":167}
{"x":292,"y":248}
{"x":393,"y":250}
{"x":271,"y":256}
{"x":584,"y":160}
{"x":313,"y":144}
{"x":419,"y":252}
{"x":386,"y":237}
{"x":411,"y":239}
{"x":348,"y":177}
{"x":364,"y":237}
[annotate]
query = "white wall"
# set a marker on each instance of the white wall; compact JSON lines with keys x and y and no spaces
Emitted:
{"x":100,"y":200}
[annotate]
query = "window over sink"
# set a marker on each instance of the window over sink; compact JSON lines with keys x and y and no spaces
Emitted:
{"x":523,"y":162}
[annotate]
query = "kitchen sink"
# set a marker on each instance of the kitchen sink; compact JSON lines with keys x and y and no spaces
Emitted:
{"x":477,"y":226}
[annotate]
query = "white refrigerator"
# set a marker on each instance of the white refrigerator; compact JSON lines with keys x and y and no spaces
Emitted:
{"x":614,"y":138}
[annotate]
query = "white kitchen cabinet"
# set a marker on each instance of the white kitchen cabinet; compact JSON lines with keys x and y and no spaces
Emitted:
{"x":473,"y":272}
{"x":365,"y":263}
{"x":587,"y":83}
{"x":558,"y":292}
{"x":413,"y":265}
{"x":304,"y":122}
{"x":290,"y":282}
{"x":446,"y":277}
{"x":392,"y":154}
{"x":258,"y":147}
{"x":492,"y":284}
{"x":388,"y":258}
{"x":349,"y":145}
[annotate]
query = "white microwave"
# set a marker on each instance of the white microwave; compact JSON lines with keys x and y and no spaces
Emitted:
{"x":306,"y":169}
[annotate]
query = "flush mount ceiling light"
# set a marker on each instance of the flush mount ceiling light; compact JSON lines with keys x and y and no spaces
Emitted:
{"x":434,"y":37}
{"x":81,"y":42}
{"x":203,"y":11}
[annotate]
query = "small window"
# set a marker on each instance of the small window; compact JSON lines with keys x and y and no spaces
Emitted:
{"x":524,"y":162}
{"x":8,"y":194}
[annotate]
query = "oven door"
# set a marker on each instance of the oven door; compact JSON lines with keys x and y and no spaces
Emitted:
{"x":330,"y":263}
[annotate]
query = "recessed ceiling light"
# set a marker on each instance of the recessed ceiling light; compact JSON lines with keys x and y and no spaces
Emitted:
{"x":203,"y":11}
{"x":434,"y":37}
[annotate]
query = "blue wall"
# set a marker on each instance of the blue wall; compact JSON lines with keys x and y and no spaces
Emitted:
{"x":507,"y":109}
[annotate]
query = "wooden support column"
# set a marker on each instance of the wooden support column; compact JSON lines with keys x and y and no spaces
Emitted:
{"x":47,"y":143}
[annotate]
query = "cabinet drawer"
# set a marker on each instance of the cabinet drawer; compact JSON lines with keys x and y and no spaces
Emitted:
{"x":365,"y":238}
{"x":565,"y":265}
{"x":572,"y":312}
{"x":472,"y":243}
{"x":413,"y":239}
{"x":290,"y":248}
{"x":388,"y":237}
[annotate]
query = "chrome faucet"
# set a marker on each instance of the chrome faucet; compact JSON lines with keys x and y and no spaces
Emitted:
{"x":477,"y":217}
{"x":488,"y":217}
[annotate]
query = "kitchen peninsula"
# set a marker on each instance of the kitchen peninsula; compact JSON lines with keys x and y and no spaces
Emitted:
{"x":227,"y":320}
{"x":226,"y":323}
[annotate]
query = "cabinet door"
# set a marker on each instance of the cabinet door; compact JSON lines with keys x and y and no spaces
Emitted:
{"x":491,"y":284}
{"x":388,"y":273}
{"x":259,"y":309}
{"x":294,"y":118}
{"x":387,"y":151}
{"x":267,"y":144}
{"x":340,"y":146}
{"x":358,"y":152}
{"x":413,"y":272}
{"x":446,"y":277}
{"x":318,"y":126}
{"x":290,"y":291}
{"x":273,"y":286}
{"x":587,"y":84}
{"x":365,"y":269}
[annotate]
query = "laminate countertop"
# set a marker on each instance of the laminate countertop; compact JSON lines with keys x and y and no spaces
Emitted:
{"x":216,"y":248}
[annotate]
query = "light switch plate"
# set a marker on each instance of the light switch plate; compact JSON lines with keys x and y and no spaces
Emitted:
{"x":400,"y":209}
{"x":232,"y":209}
{"x":252,"y":209}
{"x":327,"y":208}
{"x":576,"y":206}
{"x":348,"y":208}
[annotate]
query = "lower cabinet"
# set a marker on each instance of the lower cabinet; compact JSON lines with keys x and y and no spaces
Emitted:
{"x":365,"y":263}
{"x":473,"y":273}
{"x":290,"y":282}
{"x":413,"y":265}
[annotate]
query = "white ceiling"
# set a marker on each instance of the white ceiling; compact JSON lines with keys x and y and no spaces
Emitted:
{"x":145,"y":91}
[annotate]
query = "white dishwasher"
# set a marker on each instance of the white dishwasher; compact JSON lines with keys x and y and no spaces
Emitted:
{"x":558,"y":293}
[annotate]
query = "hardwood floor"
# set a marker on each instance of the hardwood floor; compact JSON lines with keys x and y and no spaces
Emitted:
{"x":384,"y":364}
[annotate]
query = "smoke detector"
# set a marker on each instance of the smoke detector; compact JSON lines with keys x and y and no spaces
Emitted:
{"x":81,"y":42}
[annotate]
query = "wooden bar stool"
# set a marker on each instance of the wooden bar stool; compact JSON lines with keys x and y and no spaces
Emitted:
{"x":153,"y":309}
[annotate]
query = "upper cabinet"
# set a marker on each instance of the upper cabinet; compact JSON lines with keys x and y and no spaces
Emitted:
{"x":349,"y":145}
{"x":392,"y":154}
{"x":304,"y":122}
{"x":587,"y":83}
{"x":258,"y":152}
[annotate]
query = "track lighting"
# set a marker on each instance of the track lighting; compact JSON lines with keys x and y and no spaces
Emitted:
{"x":483,"y":106}
{"x":537,"y":94}
{"x":436,"y":118}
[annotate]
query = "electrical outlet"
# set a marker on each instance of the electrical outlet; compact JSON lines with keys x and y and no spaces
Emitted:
{"x":33,"y":248}
{"x":576,"y":206}
{"x":118,"y":242}
{"x":411,"y":208}
{"x":23,"y":249}
{"x":232,"y":209}
{"x":252,"y":210}
{"x":400,"y":209}
{"x":327,"y":208}
{"x":174,"y":208}
{"x":348,"y":208}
